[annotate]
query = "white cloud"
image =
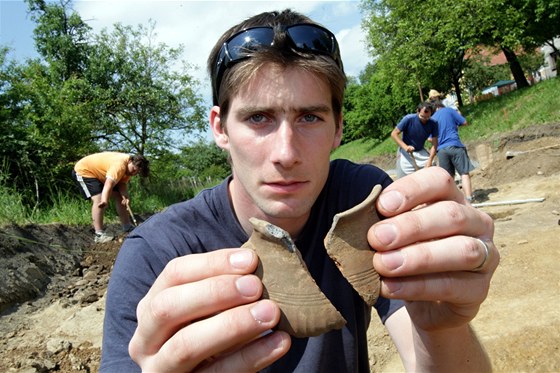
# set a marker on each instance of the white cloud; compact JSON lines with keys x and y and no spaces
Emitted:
{"x":197,"y":25}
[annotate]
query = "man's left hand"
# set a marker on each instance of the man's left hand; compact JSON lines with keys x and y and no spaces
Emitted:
{"x":433,"y":250}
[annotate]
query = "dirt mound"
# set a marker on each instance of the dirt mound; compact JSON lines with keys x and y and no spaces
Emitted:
{"x":33,"y":256}
{"x":56,"y":278}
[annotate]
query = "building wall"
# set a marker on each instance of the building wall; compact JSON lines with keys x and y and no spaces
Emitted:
{"x":550,"y":68}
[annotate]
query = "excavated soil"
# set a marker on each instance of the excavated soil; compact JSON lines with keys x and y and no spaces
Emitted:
{"x":53,"y":278}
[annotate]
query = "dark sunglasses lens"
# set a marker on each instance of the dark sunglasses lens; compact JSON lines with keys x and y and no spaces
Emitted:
{"x":248,"y":41}
{"x":312,"y":38}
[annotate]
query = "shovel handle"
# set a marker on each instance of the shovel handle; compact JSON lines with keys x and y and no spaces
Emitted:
{"x":131,"y":215}
{"x":416,"y":168}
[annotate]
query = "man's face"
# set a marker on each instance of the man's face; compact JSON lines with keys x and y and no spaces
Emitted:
{"x":280,"y":132}
{"x":132,"y":169}
{"x":424,"y":114}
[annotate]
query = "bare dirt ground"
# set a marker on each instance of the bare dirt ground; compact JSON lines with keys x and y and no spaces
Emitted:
{"x":53,"y":279}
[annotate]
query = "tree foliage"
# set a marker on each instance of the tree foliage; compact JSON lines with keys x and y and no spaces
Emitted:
{"x":142,"y":102}
{"x":426,"y":42}
{"x":373,"y":108}
{"x":118,"y":91}
{"x":61,"y":37}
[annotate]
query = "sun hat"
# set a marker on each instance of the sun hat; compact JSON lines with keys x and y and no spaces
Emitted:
{"x":434,"y":94}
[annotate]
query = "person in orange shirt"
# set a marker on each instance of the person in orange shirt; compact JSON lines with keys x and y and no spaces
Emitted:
{"x":105,"y":175}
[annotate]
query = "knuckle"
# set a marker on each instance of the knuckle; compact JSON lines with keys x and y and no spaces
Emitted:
{"x":172,"y":271}
{"x":183,"y":347}
{"x":473,"y":253}
{"x":456,"y":215}
{"x":161,"y":305}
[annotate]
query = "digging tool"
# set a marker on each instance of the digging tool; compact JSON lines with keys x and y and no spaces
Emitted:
{"x":416,"y":168}
{"x":512,"y":153}
{"x":512,"y":202}
{"x":131,"y":215}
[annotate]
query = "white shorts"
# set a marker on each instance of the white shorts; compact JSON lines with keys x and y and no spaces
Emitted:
{"x":404,"y":161}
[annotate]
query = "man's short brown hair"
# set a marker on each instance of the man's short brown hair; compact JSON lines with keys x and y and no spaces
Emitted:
{"x":142,"y":163}
{"x":279,"y":54}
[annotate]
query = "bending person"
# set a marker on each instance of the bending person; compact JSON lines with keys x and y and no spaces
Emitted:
{"x":415,"y":129}
{"x":105,"y":175}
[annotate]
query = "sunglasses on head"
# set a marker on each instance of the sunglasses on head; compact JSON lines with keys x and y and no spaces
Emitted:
{"x":303,"y":37}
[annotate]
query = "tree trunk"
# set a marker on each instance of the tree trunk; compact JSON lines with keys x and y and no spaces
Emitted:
{"x":420,"y":92}
{"x":516,"y":69}
{"x":458,"y":92}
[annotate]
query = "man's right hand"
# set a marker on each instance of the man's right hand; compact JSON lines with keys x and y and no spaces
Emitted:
{"x":203,"y":313}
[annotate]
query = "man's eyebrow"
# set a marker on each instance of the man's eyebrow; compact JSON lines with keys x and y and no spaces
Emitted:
{"x":316,"y":108}
{"x":246,"y":110}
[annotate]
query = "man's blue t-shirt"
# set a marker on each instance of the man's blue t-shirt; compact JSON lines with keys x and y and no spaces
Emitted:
{"x":416,"y":133}
{"x":206,"y":223}
{"x":448,"y":121}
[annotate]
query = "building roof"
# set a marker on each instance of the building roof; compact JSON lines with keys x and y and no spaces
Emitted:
{"x":501,"y":83}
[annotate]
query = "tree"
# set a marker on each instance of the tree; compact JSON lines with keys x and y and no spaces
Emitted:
{"x":45,"y":106}
{"x":46,"y":130}
{"x":428,"y":40}
{"x":142,"y":102}
{"x":61,"y":37}
{"x":542,"y":23}
{"x":374,"y":107}
{"x":422,"y":45}
{"x":205,"y":160}
{"x":123,"y":93}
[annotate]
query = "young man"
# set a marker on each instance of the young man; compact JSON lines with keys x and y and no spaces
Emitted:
{"x":452,"y":154}
{"x":182,"y":295}
{"x":415,"y":129}
{"x":105,"y":175}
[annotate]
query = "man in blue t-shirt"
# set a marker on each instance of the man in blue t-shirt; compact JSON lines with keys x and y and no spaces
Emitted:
{"x":415,"y":129}
{"x":183,"y":295}
{"x":452,"y":154}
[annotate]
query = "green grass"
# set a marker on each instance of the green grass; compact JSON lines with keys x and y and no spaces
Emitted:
{"x":538,"y":104}
{"x":68,"y":207}
{"x":12,"y":207}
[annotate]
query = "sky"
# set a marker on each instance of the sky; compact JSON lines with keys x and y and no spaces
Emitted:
{"x":196,"y":25}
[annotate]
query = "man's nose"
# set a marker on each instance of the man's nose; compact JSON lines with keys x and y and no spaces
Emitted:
{"x":285,"y":148}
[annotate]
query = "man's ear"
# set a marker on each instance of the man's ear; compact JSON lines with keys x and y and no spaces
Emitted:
{"x":220,"y":135}
{"x":338,"y":135}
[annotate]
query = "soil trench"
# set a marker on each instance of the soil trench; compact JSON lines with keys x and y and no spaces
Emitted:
{"x":54,"y":278}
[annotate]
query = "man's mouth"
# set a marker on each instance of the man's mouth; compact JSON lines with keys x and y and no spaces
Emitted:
{"x":284,"y":186}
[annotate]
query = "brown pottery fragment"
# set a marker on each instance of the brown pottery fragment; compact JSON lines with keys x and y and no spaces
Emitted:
{"x":305,"y":310}
{"x":347,"y":245}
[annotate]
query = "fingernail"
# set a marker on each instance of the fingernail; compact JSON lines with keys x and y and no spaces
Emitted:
{"x":263,"y":312}
{"x":385,"y":233}
{"x":241,"y":259}
{"x":392,"y":259}
{"x":391,"y":201}
{"x":248,"y":286}
{"x":392,"y":287}
{"x":275,"y":341}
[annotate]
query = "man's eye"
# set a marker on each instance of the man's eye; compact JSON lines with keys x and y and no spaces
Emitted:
{"x":257,"y":118}
{"x":310,"y":118}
